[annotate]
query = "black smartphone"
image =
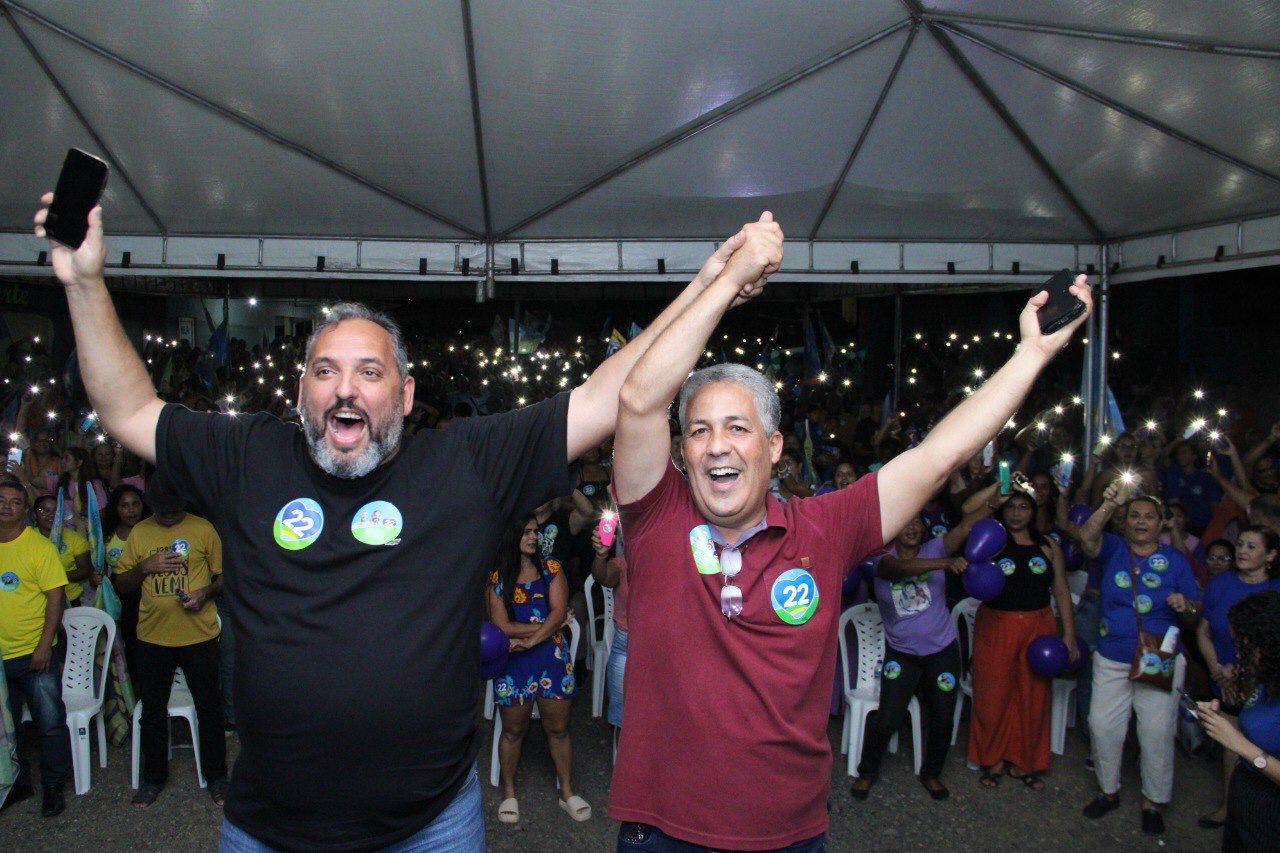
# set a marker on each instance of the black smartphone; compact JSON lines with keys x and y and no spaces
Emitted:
{"x":1063,"y":306}
{"x":80,"y":185}
{"x":1189,"y":706}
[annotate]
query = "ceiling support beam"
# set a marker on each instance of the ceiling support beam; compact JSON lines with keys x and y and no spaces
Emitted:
{"x":866,"y":131}
{"x":708,"y":120}
{"x":116,"y":165}
{"x":1111,"y":103}
{"x":237,"y":118}
{"x":474,"y":86}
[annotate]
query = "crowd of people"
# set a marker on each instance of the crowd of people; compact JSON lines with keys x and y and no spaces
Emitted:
{"x":785,"y":483}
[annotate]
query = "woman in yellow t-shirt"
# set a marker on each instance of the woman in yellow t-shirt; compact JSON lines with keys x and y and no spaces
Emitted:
{"x":74,"y":553}
{"x":123,"y":510}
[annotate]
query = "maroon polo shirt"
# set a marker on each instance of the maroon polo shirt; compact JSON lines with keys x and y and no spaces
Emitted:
{"x":725,"y":743}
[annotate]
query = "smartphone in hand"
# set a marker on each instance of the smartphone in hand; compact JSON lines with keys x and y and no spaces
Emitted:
{"x":80,"y":185}
{"x":1063,"y":306}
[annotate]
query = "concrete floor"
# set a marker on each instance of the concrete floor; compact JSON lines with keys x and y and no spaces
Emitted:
{"x":898,"y":816}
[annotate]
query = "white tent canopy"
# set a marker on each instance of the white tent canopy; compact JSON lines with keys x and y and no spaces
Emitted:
{"x":894,"y":137}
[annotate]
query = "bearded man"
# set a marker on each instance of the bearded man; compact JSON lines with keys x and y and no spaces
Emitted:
{"x":356,"y":643}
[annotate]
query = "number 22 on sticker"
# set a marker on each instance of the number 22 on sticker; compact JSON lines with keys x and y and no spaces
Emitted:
{"x":794,"y":596}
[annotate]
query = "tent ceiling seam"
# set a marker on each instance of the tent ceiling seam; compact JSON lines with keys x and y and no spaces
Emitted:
{"x":1166,"y":43}
{"x":866,"y":131}
{"x":477,"y":127}
{"x":708,"y":120}
{"x":993,"y":101}
{"x":235,"y":117}
{"x":84,"y":120}
{"x":1111,"y":103}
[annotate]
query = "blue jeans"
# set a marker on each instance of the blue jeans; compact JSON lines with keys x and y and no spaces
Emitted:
{"x":613,"y":676}
{"x":457,"y":829}
{"x":42,"y":693}
{"x":642,"y":836}
{"x":1088,"y":612}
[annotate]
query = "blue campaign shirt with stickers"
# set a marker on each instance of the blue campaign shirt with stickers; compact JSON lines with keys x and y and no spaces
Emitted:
{"x":355,"y":607}
{"x":1260,"y":723}
{"x":1225,"y":590}
{"x":1163,"y":572}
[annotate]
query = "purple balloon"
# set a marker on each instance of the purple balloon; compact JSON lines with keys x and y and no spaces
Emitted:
{"x":1048,"y":656}
{"x":1073,"y":668}
{"x":493,"y":643}
{"x":1079,"y":514}
{"x":983,"y":580}
{"x":986,"y":539}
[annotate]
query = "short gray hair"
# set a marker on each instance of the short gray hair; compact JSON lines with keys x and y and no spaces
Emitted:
{"x":767,"y":404}
{"x":358,"y":311}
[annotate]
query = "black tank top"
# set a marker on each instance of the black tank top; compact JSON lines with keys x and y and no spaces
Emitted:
{"x":1028,"y":578}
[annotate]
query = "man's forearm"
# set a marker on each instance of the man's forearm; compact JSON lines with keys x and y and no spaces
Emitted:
{"x":113,"y":373}
{"x":54,"y":603}
{"x":657,"y":377}
{"x":597,"y":398}
{"x":982,"y":415}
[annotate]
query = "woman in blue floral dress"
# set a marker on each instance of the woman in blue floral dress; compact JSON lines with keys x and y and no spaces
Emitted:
{"x":528,"y":600}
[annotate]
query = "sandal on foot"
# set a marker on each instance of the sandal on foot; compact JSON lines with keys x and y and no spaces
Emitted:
{"x":861,"y":788}
{"x":938,"y":793}
{"x":218,"y":790}
{"x":577,"y":808}
{"x":1031,"y":780}
{"x":146,"y":794}
{"x":509,"y":811}
{"x":989,"y":779}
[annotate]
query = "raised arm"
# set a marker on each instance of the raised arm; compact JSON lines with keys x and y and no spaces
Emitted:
{"x":642,"y":449}
{"x":113,"y":374}
{"x":1091,"y":531}
{"x":1262,"y":447}
{"x":907,"y":481}
{"x":593,"y":405}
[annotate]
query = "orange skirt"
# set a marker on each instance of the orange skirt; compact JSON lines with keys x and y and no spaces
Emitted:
{"x":1011,"y":704}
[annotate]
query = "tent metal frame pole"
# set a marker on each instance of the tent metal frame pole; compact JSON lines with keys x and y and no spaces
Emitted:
{"x":1098,"y":342}
{"x":242,"y":120}
{"x":1103,"y":35}
{"x":1028,"y":145}
{"x":706,"y":121}
{"x":84,"y":120}
{"x":897,"y":348}
{"x":866,"y":131}
{"x":1123,"y":109}
{"x":1086,"y":393}
{"x":473,"y":86}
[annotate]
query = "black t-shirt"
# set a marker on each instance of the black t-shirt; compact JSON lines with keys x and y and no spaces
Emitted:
{"x":353,"y":604}
{"x":1028,"y":580}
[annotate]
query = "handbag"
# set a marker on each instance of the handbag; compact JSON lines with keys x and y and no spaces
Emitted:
{"x":1150,"y":664}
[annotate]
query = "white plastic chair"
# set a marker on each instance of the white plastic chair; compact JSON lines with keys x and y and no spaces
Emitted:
{"x":1062,"y":710}
{"x":181,"y":704}
{"x":966,"y":609}
{"x":863,"y":697}
{"x":81,"y":697}
{"x":575,"y":634}
{"x":1076,"y":582}
{"x":600,"y":627}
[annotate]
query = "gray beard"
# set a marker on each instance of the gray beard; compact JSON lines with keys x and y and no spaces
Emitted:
{"x":384,"y":439}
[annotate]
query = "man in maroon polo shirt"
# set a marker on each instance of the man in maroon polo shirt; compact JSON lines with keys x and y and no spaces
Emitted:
{"x":735,"y":596}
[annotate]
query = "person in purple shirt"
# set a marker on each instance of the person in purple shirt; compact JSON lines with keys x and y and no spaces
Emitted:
{"x":1255,"y":571}
{"x":1152,"y":584}
{"x":922,"y":651}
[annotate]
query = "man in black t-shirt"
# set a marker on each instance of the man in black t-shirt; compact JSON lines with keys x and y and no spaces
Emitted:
{"x":351,"y":585}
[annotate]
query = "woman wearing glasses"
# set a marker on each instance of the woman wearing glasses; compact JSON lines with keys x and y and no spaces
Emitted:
{"x":1253,"y":800}
{"x":1255,"y":571}
{"x":528,"y":600}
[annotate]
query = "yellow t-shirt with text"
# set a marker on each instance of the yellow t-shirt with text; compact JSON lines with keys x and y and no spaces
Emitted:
{"x":162,"y":620}
{"x":29,"y":567}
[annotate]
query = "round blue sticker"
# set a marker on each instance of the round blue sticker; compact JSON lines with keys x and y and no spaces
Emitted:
{"x":1007,"y":566}
{"x":181,"y":547}
{"x":892,"y":669}
{"x":1038,"y":565}
{"x":8,"y":582}
{"x":1158,"y":562}
{"x":946,"y":682}
{"x":795,"y":596}
{"x":298,"y":524}
{"x":377,"y":523}
{"x":1123,"y":580}
{"x":1150,"y":580}
{"x":1143,"y":603}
